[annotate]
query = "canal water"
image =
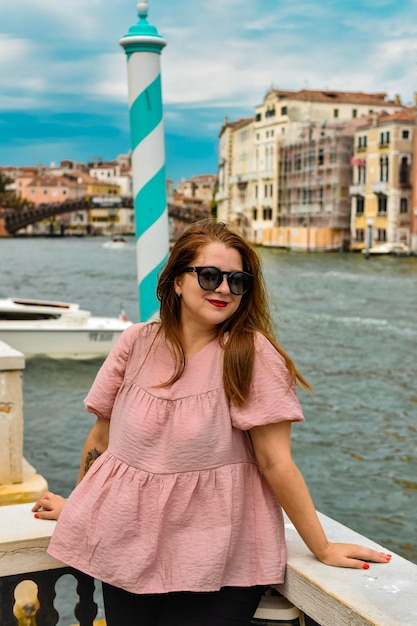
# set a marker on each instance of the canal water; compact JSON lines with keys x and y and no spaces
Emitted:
{"x":348,"y":323}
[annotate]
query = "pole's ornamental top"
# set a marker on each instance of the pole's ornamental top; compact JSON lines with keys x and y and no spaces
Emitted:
{"x":142,"y":8}
{"x":142,"y":36}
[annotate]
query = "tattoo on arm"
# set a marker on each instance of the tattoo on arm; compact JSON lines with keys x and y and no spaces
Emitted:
{"x":91,"y":456}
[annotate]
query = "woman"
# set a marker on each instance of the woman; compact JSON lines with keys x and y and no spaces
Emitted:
{"x":176,"y":510}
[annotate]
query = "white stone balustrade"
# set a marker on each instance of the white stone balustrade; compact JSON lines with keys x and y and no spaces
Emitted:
{"x":383,"y":595}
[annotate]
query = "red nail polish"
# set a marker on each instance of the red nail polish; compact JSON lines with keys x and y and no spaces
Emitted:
{"x":365,"y":566}
{"x":36,"y":515}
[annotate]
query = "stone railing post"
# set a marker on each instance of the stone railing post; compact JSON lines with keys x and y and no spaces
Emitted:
{"x":19,"y":481}
{"x":12,"y":363}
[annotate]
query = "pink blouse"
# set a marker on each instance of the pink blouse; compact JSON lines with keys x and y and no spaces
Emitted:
{"x":177,"y":501}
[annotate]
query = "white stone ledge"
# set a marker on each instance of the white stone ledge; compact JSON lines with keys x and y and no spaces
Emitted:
{"x":383,"y":595}
{"x":23,"y":541}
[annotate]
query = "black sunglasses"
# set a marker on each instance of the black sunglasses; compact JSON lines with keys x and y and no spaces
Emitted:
{"x":210,"y":278}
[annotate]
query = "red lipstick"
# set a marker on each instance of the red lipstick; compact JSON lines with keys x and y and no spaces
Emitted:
{"x":218,"y":303}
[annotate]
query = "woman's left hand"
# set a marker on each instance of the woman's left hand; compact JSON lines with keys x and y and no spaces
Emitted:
{"x":351,"y":555}
{"x":49,"y":506}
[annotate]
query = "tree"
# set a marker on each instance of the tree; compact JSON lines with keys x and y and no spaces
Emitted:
{"x":8,"y":199}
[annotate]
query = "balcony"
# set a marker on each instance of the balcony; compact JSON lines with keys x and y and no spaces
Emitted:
{"x":243,"y":178}
{"x":357,"y":190}
{"x":381,"y":188}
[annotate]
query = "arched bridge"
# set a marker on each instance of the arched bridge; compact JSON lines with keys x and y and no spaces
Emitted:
{"x":15,"y":220}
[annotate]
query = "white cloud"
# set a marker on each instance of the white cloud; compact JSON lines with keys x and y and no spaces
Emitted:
{"x":223,"y":52}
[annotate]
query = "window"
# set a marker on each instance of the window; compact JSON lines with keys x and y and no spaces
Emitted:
{"x":404,"y":171}
{"x":284,"y":110}
{"x":270,"y":112}
{"x":362,"y":141}
{"x":287,"y":165}
{"x":361,"y":173}
{"x":403,"y":205}
{"x":382,"y":204}
{"x":321,"y":156}
{"x":335,"y":113}
{"x":257,"y":136}
{"x":405,"y":134}
{"x":360,"y":234}
{"x":354,"y":112}
{"x":267,"y":213}
{"x":265,"y":191}
{"x":258,"y":117}
{"x":269,"y":151}
{"x":383,"y":169}
{"x":384,"y":138}
{"x":381,"y":234}
{"x":255,"y":214}
{"x":256,"y":191}
{"x":360,"y":204}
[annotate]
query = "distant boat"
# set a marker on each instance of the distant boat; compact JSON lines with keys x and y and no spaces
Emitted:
{"x":115,"y":242}
{"x":59,"y":330}
{"x":396,"y":249}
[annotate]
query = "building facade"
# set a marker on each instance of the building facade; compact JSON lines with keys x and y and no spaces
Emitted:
{"x":256,"y":192}
{"x":382,"y":189}
{"x":200,"y":187}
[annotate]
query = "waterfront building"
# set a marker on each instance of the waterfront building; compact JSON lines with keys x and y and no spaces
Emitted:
{"x":235,"y":195}
{"x":250,"y":172}
{"x":20,"y":177}
{"x":413,"y":238}
{"x":118,"y":172}
{"x":201,"y":187}
{"x":314,"y":175}
{"x":46,"y":188}
{"x":381,"y":193}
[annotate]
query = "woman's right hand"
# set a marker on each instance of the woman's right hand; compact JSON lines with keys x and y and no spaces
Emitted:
{"x":49,"y":506}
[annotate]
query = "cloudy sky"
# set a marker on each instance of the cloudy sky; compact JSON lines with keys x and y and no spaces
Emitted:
{"x":63,"y":81}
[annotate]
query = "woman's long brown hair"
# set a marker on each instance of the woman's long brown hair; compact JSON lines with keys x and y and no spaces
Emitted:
{"x":253,"y":313}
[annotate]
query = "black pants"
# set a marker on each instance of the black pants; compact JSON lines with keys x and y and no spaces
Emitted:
{"x":231,"y":606}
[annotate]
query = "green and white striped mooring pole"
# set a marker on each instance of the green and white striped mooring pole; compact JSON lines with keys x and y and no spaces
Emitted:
{"x":143,"y":46}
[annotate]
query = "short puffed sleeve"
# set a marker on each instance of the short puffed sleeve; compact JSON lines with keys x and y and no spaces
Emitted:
{"x":100,"y":399}
{"x":271,"y":398}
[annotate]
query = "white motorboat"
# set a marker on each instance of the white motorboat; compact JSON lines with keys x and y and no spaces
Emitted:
{"x":396,"y":249}
{"x":115,"y":243}
{"x":60,"y":330}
